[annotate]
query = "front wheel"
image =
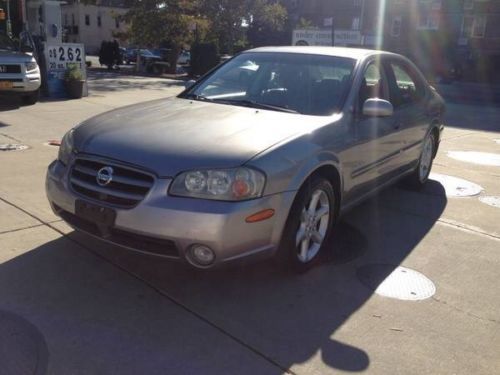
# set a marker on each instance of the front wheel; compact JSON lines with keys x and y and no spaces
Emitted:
{"x":309,"y":224}
{"x":421,"y":174}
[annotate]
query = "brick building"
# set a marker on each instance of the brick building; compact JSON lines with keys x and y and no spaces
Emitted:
{"x":439,"y":35}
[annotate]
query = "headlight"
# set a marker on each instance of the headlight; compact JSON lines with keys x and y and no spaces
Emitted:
{"x":220,"y":184}
{"x":66,"y":148}
{"x":32,"y":65}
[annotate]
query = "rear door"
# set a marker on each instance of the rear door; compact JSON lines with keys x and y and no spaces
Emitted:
{"x":408,"y":96}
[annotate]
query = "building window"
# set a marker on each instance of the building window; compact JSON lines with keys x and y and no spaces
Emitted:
{"x":479,"y":27}
{"x":357,"y":3}
{"x":99,"y":21}
{"x":468,"y":4}
{"x":355,"y":23}
{"x":87,"y":20}
{"x":428,"y":20}
{"x":474,"y":26}
{"x":73,"y":19}
{"x":396,"y":26}
{"x":117,"y":23}
{"x":65,"y":20}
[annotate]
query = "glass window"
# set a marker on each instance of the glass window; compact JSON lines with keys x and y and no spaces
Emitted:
{"x":396,"y":26}
{"x":87,"y":20}
{"x":373,"y":84}
{"x":99,"y":21}
{"x":307,"y":84}
{"x":479,"y":28}
{"x":407,"y":87}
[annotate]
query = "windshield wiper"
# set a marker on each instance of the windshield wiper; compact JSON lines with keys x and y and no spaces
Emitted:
{"x":197,"y":97}
{"x":254,"y":104}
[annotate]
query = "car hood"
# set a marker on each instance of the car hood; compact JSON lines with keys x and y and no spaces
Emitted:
{"x":172,"y":135}
{"x":14,"y":57}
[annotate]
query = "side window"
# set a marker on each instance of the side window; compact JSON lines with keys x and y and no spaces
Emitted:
{"x":406,"y":88}
{"x":373,"y":84}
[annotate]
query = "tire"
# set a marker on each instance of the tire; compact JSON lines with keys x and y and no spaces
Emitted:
{"x":32,"y":98}
{"x":421,"y":173}
{"x":305,"y":236}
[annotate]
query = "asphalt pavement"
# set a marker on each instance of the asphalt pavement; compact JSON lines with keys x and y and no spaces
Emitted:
{"x":72,"y":305}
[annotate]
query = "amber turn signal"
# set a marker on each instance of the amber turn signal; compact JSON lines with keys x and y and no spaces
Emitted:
{"x":260,"y":216}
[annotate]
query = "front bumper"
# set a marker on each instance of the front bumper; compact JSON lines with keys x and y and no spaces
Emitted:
{"x":173,"y":224}
{"x":22,"y":83}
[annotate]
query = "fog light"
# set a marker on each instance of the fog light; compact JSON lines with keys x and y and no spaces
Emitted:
{"x":201,"y":255}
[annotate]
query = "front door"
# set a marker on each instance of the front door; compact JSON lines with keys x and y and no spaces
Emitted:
{"x":376,"y":151}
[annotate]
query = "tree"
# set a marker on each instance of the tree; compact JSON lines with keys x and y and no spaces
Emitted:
{"x":235,"y":22}
{"x":153,"y":22}
{"x":267,"y":26}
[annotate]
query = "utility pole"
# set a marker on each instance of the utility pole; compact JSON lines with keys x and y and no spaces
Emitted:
{"x":9,"y":26}
{"x":361,"y":22}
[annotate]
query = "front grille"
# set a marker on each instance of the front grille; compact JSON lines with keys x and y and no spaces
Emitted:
{"x":127,"y":188}
{"x":4,"y":68}
{"x":155,"y":246}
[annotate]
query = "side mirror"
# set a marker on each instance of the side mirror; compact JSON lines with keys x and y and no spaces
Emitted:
{"x":26,"y":49}
{"x":375,"y":107}
{"x":189,"y":84}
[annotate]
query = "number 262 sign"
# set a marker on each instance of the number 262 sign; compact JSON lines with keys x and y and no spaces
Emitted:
{"x":57,"y":59}
{"x":59,"y":56}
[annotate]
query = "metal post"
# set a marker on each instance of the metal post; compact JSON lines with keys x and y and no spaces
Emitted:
{"x":9,"y":26}
{"x":333,"y":32}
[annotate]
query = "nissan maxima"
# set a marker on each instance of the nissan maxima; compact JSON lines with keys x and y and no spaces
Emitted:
{"x":260,"y":156}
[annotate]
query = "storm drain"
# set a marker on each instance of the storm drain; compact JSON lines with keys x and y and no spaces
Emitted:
{"x":396,"y":282}
{"x":456,"y":187}
{"x":12,"y":147}
{"x":482,"y":158}
{"x":491,"y":201}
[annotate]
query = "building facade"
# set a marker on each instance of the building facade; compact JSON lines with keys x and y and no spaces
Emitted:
{"x":459,"y":37}
{"x":93,"y":24}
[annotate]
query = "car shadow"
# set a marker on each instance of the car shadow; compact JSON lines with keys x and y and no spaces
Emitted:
{"x":9,"y":103}
{"x":287,"y":317}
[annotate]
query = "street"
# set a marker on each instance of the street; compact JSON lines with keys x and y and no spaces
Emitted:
{"x":70,"y":304}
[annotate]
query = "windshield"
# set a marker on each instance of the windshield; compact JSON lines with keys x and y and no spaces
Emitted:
{"x":306,"y":84}
{"x":6,"y":43}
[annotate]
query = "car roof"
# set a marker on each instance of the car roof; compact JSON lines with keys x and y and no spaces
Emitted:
{"x":354,"y":53}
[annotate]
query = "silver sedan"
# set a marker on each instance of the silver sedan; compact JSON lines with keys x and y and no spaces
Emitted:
{"x":260,"y":156}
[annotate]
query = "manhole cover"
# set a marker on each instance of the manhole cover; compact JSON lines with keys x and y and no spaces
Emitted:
{"x":396,"y":282}
{"x":482,"y":158}
{"x":456,"y":187}
{"x":491,"y":200}
{"x":23,"y":350}
{"x":12,"y":147}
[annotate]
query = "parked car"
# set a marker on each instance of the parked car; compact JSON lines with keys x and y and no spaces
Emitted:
{"x":236,"y":167}
{"x":131,"y":55}
{"x":154,"y":63}
{"x":184,"y":58}
{"x":19,"y":71}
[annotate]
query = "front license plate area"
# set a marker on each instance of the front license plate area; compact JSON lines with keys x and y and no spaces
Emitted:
{"x":6,"y":85}
{"x":102,"y":216}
